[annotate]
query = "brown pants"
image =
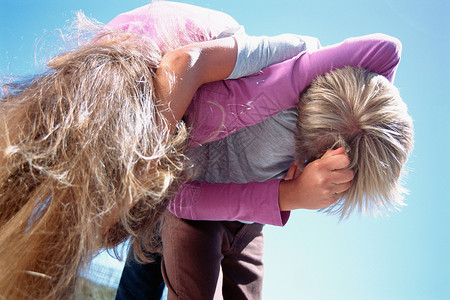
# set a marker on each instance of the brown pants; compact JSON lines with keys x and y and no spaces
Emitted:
{"x":212,"y":260}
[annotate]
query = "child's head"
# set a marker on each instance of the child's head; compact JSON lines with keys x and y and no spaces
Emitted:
{"x":362,"y":112}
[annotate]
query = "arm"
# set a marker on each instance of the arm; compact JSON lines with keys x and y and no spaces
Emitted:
{"x":221,"y":108}
{"x":224,"y":201}
{"x":184,"y":70}
{"x":319,"y":185}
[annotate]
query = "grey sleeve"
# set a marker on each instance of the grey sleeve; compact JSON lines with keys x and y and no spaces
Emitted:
{"x":257,"y":52}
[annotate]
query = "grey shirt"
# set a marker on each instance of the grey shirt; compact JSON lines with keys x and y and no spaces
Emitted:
{"x":256,"y":153}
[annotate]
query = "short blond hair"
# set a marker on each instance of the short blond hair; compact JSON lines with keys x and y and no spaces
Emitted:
{"x":364,"y":113}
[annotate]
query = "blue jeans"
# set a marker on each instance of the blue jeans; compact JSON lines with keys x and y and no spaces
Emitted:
{"x":141,"y":281}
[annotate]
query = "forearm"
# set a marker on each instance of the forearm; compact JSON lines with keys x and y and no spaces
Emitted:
{"x":378,"y":53}
{"x":251,"y":202}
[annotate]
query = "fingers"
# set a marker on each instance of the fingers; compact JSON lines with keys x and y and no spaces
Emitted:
{"x":291,"y":172}
{"x":330,"y":200}
{"x":341,"y":188}
{"x":298,"y":172}
{"x":335,"y":192}
{"x":342,"y":176}
{"x":332,"y":152}
{"x":336,"y":161}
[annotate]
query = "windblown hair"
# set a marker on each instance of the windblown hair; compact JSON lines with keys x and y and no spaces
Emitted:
{"x":364,"y":113}
{"x":78,"y":142}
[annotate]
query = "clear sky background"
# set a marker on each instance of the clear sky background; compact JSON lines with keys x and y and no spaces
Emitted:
{"x":405,"y":256}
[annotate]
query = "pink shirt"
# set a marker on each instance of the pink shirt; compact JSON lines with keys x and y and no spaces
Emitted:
{"x":165,"y":21}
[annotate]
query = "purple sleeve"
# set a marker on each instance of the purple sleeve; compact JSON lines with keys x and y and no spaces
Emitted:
{"x":251,"y":202}
{"x":222,"y":108}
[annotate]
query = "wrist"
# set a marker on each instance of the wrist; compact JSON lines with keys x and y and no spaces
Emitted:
{"x":285,"y":195}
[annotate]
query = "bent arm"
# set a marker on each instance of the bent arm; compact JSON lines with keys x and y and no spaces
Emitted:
{"x":222,"y":108}
{"x":182,"y":71}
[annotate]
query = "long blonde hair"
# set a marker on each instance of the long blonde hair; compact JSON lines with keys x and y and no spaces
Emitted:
{"x":364,"y":113}
{"x":75,"y":142}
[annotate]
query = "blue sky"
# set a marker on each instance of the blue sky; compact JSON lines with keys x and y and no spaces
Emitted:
{"x":405,"y":256}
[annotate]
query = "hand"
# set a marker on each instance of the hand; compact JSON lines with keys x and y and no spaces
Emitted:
{"x":321,"y":184}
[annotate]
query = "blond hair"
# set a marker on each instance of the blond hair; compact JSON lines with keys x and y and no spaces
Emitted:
{"x":75,"y":142}
{"x":364,"y":113}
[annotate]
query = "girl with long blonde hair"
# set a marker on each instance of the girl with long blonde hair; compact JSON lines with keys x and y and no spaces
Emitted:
{"x":90,"y":153}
